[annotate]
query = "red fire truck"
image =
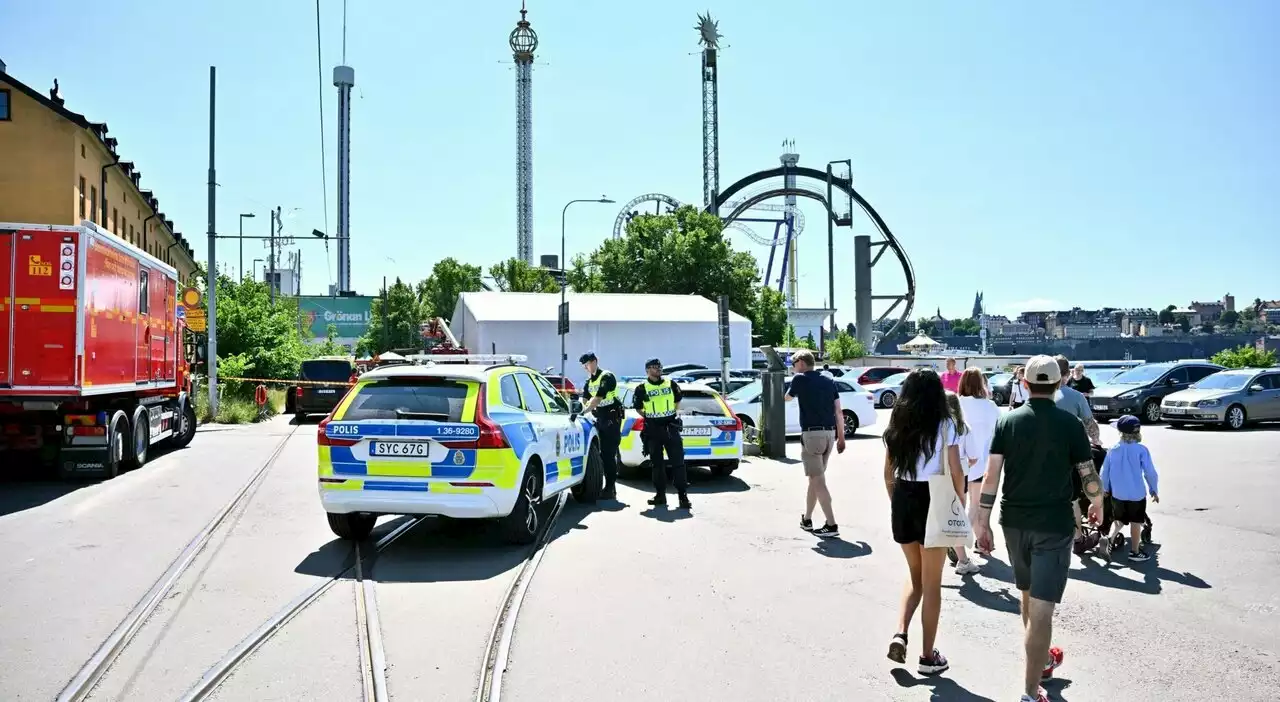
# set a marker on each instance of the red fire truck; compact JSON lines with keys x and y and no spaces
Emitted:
{"x":92,"y":365}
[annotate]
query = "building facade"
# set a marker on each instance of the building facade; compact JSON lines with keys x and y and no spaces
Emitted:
{"x":59,"y":168}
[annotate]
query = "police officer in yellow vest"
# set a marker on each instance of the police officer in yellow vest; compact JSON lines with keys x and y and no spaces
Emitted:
{"x":657,"y":400}
{"x":601,"y":397}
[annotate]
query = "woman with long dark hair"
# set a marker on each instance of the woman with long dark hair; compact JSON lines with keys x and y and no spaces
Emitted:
{"x":920,"y":440}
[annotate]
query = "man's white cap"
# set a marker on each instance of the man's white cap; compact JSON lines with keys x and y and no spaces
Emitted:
{"x":1043,"y":370}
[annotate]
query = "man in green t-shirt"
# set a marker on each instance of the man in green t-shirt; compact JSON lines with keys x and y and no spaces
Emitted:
{"x":1038,"y":447}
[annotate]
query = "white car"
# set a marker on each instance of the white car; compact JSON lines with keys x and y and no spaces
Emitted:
{"x":886,"y":392}
{"x":460,"y":440}
{"x":712,"y":435}
{"x":859,"y":410}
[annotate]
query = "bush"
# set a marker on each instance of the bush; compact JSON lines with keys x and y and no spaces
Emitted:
{"x":1245,"y":357}
{"x":844,"y":347}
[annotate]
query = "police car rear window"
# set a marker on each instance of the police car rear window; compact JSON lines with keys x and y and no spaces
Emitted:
{"x":700,"y":402}
{"x":326,"y":371}
{"x":425,"y":398}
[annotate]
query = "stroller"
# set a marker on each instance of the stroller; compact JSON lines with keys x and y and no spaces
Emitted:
{"x":1091,"y":535}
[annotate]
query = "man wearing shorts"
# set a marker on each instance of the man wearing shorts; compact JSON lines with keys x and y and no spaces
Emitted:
{"x":1038,"y":447}
{"x":821,"y":426}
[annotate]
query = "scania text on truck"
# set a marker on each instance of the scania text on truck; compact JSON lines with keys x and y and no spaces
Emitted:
{"x":93,"y":370}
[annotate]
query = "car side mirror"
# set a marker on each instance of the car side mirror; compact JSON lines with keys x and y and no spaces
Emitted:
{"x":575,"y":406}
{"x":1256,"y":387}
{"x":1171,"y":381}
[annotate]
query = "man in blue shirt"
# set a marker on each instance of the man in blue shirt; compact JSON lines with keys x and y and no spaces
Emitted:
{"x":821,"y":427}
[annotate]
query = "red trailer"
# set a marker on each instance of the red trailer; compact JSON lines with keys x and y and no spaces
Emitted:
{"x":92,"y":365}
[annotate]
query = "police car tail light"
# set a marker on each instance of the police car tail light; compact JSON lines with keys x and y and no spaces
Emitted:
{"x":491,"y":436}
{"x":737,"y":424}
{"x":323,"y":438}
{"x":638,"y":426}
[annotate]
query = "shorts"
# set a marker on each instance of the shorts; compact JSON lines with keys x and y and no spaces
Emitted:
{"x":815,"y":449}
{"x":909,"y":509}
{"x":1040,"y":561}
{"x":1129,"y":511}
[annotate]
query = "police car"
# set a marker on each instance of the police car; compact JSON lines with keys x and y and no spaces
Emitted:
{"x":711,"y":435}
{"x":467,"y":441}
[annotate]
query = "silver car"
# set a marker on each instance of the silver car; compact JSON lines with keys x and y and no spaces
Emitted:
{"x":1231,"y":397}
{"x":885,"y":392}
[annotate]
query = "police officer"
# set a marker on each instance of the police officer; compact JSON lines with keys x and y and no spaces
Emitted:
{"x":601,"y":396}
{"x":657,"y":399}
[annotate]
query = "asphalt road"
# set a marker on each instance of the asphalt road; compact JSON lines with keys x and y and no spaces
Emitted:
{"x":730,"y":602}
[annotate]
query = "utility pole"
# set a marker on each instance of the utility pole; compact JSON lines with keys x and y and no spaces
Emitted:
{"x":212,"y":274}
{"x":271,"y":280}
{"x":385,"y":340}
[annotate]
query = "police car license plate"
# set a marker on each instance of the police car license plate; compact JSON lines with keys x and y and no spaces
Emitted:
{"x":696,"y":431}
{"x":400,"y":448}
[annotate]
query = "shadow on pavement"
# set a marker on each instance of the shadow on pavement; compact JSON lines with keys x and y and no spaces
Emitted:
{"x":839,"y":548}
{"x":18,"y":494}
{"x":701,"y":482}
{"x":940,"y":687}
{"x":1153,"y":576}
{"x":1002,"y":600}
{"x":1055,"y":686}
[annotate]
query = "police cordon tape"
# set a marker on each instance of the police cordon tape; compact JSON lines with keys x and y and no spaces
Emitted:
{"x":330,"y":383}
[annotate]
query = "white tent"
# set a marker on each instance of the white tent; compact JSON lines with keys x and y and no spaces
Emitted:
{"x":623,"y":330}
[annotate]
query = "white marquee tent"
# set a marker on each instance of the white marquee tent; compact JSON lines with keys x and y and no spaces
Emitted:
{"x":623,"y":330}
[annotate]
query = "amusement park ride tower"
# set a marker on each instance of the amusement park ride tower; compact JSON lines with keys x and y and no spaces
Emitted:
{"x":789,"y":160}
{"x":524,"y":41}
{"x":710,"y":40}
{"x":344,"y":78}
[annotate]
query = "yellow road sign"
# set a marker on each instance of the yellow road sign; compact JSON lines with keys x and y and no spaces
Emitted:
{"x":197,"y":321}
{"x":190,"y":298}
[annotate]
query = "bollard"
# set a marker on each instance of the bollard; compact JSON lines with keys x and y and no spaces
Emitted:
{"x":260,"y":397}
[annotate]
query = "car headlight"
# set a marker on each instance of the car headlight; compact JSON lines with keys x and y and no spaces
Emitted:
{"x":1209,"y":403}
{"x":1127,"y":396}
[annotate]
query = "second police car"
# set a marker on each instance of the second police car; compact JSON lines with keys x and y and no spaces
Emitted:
{"x":462,"y":441}
{"x":711,"y":435}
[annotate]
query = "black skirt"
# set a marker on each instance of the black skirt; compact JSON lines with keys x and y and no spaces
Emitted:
{"x":909,"y":507}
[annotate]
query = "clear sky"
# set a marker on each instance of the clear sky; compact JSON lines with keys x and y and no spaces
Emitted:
{"x":1090,"y":154}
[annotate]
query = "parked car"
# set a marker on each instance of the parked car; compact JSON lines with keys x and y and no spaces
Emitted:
{"x":876,"y":374}
{"x":1102,"y":376}
{"x":1139,"y":390}
{"x":886,"y":392}
{"x":562,"y":384}
{"x":854,"y":400}
{"x":323,"y":384}
{"x":679,"y":368}
{"x":711,"y":434}
{"x":1001,"y":386}
{"x":1232,"y":398}
{"x":734,"y":384}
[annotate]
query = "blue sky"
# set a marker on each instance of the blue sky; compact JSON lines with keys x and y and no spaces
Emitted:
{"x":1098,"y":154}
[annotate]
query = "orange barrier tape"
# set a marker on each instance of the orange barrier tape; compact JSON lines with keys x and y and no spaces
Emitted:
{"x":331,"y":383}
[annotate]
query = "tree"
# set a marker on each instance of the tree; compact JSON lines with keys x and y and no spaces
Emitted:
{"x":265,"y":338}
{"x":439,"y":293}
{"x":844,"y":347}
{"x":1245,"y":357}
{"x":1207,"y":327}
{"x":964,"y":327}
{"x":330,"y":346}
{"x":809,"y":341}
{"x":514,"y":275}
{"x":395,"y":323}
{"x":927,"y":326}
{"x":583,"y":276}
{"x":1184,"y":322}
{"x":850,"y":329}
{"x":1230,"y":318}
{"x":768,"y":315}
{"x":1166,"y":315}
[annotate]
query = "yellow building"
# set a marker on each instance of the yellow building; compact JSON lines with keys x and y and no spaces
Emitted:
{"x":56,"y":167}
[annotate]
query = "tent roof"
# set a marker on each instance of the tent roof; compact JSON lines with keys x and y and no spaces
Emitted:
{"x":591,"y":307}
{"x":921,"y":340}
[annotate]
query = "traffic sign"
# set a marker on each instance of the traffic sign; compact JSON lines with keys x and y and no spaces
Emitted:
{"x":181,"y":312}
{"x":197,"y":321}
{"x":190,"y":298}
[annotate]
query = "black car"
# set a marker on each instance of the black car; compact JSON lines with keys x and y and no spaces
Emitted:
{"x":1138,"y":391}
{"x":1001,"y":384}
{"x":325,"y":383}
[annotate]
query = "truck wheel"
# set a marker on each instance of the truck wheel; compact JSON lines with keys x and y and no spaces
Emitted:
{"x":354,"y":526}
{"x":588,"y":491}
{"x":723,"y":469}
{"x":117,"y":446}
{"x":141,"y":438}
{"x":186,"y":426}
{"x":522,"y":524}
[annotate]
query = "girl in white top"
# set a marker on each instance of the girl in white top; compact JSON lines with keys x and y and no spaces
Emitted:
{"x":980,"y":416}
{"x":1017,"y":394}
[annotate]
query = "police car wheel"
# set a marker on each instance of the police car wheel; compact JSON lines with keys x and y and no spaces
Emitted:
{"x":522,"y":524}
{"x":723,"y":469}
{"x":353,"y":526}
{"x":588,"y":491}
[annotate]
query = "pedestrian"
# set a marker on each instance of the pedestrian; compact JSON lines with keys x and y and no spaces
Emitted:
{"x":600,"y":396}
{"x":921,"y":441}
{"x":980,"y":417}
{"x":1036,"y":448}
{"x":1128,"y":474}
{"x":657,"y":400}
{"x":1080,"y":382}
{"x":821,"y":428}
{"x":1017,"y":393}
{"x":951,"y":377}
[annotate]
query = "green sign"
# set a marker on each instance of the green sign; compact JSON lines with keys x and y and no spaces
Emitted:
{"x":350,"y":315}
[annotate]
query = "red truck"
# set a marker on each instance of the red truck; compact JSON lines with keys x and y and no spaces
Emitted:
{"x":93,"y":370}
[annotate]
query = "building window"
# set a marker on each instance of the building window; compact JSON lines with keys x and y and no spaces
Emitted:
{"x":82,"y":194}
{"x":131,"y":239}
{"x":4,"y":106}
{"x":115,"y":221}
{"x":93,"y":204}
{"x":82,"y":151}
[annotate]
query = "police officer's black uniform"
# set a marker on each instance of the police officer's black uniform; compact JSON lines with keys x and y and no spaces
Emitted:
{"x":609,"y":414}
{"x":656,"y":402}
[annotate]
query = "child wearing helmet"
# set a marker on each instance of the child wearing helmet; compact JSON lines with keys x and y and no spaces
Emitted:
{"x":1128,"y":475}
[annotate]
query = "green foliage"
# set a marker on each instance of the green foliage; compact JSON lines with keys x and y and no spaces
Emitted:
{"x":844,"y":347}
{"x":1166,"y":315}
{"x":439,"y":293}
{"x":809,"y":342}
{"x":1230,"y":318}
{"x":266,"y":338}
{"x":237,"y":366}
{"x":927,"y":326}
{"x":395,"y":322}
{"x":1207,"y":327}
{"x":768,"y":315}
{"x":965,"y":327}
{"x":850,"y":329}
{"x":1184,"y":322}
{"x":330,"y":346}
{"x":1245,"y":357}
{"x":514,"y":275}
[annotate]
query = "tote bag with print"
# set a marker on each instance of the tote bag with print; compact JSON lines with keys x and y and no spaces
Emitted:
{"x":947,"y":525}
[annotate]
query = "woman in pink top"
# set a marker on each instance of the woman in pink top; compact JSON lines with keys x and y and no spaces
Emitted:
{"x":951,"y":378}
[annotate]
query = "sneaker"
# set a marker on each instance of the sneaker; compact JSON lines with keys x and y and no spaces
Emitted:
{"x":1041,"y":696}
{"x":609,"y":493}
{"x":685,"y":503}
{"x":1107,"y":548}
{"x":806,"y":524}
{"x":658,"y":500}
{"x":827,"y":531}
{"x":967,"y":567}
{"x":933,"y":664}
{"x":898,"y":648}
{"x":1146,"y":532}
{"x":952,"y":556}
{"x":1056,"y":656}
{"x":1139,"y":556}
{"x":1079,"y":546}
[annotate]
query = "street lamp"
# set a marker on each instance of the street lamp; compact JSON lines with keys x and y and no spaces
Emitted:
{"x":564,"y":274}
{"x":248,"y":215}
{"x":254,"y":274}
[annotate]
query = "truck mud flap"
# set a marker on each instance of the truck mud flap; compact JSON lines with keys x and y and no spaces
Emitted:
{"x":82,"y":462}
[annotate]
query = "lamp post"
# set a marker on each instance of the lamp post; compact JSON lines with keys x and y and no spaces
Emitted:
{"x":247,"y":215}
{"x":564,"y":274}
{"x":254,"y":274}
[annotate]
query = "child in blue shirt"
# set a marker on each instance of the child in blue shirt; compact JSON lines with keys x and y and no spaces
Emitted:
{"x":1127,"y":476}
